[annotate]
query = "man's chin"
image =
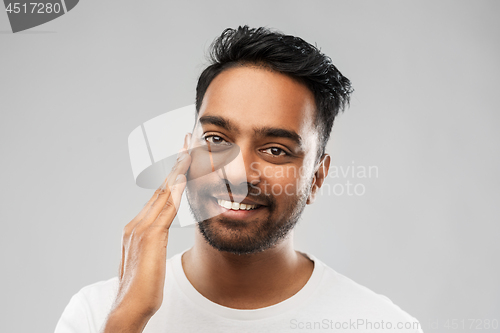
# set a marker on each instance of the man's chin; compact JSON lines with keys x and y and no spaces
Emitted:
{"x":231,"y":236}
{"x":218,"y":226}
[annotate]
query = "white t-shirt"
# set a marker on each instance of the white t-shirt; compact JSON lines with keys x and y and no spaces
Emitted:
{"x":328,"y":302}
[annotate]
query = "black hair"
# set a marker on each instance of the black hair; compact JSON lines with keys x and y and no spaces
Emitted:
{"x":285,"y":54}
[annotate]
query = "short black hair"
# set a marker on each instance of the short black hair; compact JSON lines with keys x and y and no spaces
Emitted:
{"x":285,"y":54}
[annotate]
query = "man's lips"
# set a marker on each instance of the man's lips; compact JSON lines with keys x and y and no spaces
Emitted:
{"x":239,"y":214}
{"x":243,"y":200}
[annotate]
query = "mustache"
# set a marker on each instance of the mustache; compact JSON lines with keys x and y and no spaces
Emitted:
{"x":223,"y":188}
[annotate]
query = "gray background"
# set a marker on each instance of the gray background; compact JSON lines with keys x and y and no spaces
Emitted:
{"x":425,"y":112}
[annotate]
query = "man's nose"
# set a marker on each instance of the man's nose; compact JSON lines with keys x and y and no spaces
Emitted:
{"x":241,"y":171}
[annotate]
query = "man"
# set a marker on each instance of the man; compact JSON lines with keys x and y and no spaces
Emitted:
{"x":274,"y":98}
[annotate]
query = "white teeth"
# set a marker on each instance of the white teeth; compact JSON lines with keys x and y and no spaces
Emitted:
{"x":235,"y":205}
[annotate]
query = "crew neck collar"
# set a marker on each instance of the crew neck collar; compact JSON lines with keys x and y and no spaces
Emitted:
{"x":244,"y":314}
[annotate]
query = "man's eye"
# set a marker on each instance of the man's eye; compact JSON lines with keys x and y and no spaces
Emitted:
{"x":275,"y":151}
{"x":215,"y":140}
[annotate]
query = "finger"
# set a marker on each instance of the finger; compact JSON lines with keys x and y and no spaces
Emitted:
{"x":180,"y":155}
{"x":122,"y":262}
{"x":181,"y":167}
{"x":127,"y":230}
{"x":147,"y":206}
{"x":162,"y":191}
{"x":189,"y":142}
{"x":159,"y":204}
{"x":167,"y":214}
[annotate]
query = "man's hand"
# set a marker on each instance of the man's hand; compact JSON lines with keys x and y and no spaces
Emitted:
{"x":144,"y":253}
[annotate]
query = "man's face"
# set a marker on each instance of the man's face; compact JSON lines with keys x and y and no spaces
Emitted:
{"x":267,"y":119}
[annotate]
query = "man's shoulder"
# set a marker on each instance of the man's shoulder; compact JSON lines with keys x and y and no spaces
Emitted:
{"x":98,"y":289}
{"x":88,"y":308}
{"x":355,"y":301}
{"x":99,"y":295}
{"x":106,"y":290}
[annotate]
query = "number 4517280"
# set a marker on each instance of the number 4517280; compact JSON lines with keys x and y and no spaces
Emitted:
{"x":33,"y":8}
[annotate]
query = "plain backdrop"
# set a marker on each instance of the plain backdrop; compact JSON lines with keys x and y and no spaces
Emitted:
{"x":424,"y":114}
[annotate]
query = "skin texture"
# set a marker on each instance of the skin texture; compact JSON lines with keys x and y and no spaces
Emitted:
{"x":257,"y":266}
{"x":266,"y":269}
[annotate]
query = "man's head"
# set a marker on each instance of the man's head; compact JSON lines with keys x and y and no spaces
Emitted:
{"x":273,"y":98}
{"x":288,"y":55}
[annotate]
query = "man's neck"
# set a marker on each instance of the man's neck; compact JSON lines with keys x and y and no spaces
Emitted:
{"x":246,"y":281}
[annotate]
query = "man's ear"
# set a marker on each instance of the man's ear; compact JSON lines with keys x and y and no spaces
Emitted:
{"x":319,"y":177}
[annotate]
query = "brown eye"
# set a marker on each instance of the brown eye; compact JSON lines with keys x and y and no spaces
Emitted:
{"x":214,"y":139}
{"x":276,"y":152}
{"x":216,"y":143}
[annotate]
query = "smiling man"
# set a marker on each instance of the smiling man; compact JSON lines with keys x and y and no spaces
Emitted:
{"x":269,"y":99}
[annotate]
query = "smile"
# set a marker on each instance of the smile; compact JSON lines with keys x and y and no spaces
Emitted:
{"x":235,"y":205}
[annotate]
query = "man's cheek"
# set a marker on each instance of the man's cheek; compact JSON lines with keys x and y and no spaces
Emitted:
{"x":284,"y":187}
{"x":200,"y":165}
{"x":289,"y":189}
{"x":293,"y":187}
{"x":256,"y":191}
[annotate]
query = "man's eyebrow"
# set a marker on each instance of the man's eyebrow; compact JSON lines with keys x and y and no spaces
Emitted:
{"x":279,"y":133}
{"x":266,"y":131}
{"x":219,"y":121}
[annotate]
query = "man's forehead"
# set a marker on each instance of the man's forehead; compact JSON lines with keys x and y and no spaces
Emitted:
{"x":246,"y":98}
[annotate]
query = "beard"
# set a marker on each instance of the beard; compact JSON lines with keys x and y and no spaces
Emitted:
{"x":245,"y":237}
